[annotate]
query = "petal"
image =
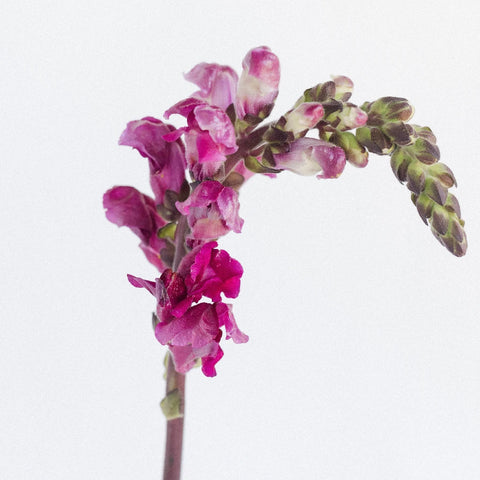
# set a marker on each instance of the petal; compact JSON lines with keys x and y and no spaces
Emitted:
{"x":226,"y":319}
{"x":218,"y":83}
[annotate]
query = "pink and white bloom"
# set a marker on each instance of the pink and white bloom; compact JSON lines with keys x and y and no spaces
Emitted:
{"x":212,"y":211}
{"x":309,"y":156}
{"x":304,"y":117}
{"x":351,"y":117}
{"x":126,"y":206}
{"x":209,"y":136}
{"x":218,"y":83}
{"x":258,"y":84}
{"x":166,"y":159}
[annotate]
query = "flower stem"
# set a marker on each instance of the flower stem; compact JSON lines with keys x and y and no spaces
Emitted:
{"x":175,"y":382}
{"x":174,"y":441}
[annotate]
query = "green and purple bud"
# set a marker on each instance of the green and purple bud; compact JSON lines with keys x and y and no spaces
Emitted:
{"x":343,"y":87}
{"x":355,"y":153}
{"x":388,"y":109}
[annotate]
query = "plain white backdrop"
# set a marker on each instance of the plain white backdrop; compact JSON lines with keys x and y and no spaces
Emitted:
{"x":364,"y":353}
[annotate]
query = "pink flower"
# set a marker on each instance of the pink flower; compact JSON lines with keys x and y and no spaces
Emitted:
{"x":258,"y":84}
{"x":212,"y":211}
{"x":209,"y":136}
{"x":218,"y":83}
{"x":166,"y":159}
{"x":304,"y":117}
{"x":126,"y":206}
{"x":308,"y":156}
{"x":194,"y":332}
{"x":210,"y":272}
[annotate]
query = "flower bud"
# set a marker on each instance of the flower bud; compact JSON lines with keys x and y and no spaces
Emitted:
{"x":355,"y":153}
{"x":304,"y":117}
{"x":308,"y":156}
{"x":343,"y":87}
{"x":374,"y":140}
{"x":258,"y":84}
{"x":349,"y":117}
{"x":388,"y":109}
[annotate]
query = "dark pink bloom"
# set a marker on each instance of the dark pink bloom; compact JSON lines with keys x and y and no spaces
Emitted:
{"x":126,"y":206}
{"x":218,"y":83}
{"x":166,"y":159}
{"x":258,"y":84}
{"x":198,"y":332}
{"x":209,"y":136}
{"x":194,"y":332}
{"x":210,"y":272}
{"x":212,"y":211}
{"x":308,"y":156}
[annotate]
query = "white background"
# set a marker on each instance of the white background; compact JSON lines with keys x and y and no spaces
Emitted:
{"x":364,"y":353}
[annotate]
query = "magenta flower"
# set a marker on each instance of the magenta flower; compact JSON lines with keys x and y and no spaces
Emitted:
{"x":193,"y":332}
{"x":210,"y":272}
{"x":218,"y":83}
{"x":166,"y":159}
{"x":209,"y":136}
{"x":212,"y":211}
{"x":308,"y":156}
{"x":196,"y":336}
{"x":126,"y":206}
{"x":258,"y":84}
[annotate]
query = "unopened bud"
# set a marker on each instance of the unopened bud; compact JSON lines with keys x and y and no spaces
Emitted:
{"x":436,"y":190}
{"x":400,"y":162}
{"x":426,"y":151}
{"x":448,"y":230}
{"x":355,"y":153}
{"x":400,"y":133}
{"x":303,"y":118}
{"x":319,"y":93}
{"x":415,"y":177}
{"x":388,"y":109}
{"x":343,"y":87}
{"x":347,"y":118}
{"x":374,"y":140}
{"x":443,"y":174}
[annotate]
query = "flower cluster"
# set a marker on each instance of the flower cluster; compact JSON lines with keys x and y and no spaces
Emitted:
{"x":196,"y":172}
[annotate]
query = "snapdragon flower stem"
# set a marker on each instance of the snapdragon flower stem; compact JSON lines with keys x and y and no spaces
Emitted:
{"x":173,"y":446}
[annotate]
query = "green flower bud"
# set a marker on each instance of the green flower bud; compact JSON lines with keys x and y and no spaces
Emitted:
{"x":388,"y":109}
{"x":400,"y":162}
{"x":374,"y":140}
{"x":399,"y":132}
{"x":355,"y":153}
{"x":426,"y":151}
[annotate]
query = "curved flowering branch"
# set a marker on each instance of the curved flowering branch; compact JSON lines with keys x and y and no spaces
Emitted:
{"x":224,"y":144}
{"x":196,"y":172}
